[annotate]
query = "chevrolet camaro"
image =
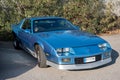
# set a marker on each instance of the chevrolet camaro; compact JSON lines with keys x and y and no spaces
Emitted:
{"x":57,"y":42}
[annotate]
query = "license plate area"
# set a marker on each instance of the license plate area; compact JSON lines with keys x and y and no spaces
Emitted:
{"x":89,"y":59}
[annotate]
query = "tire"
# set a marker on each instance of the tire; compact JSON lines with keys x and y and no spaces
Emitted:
{"x":16,"y":43}
{"x":40,"y":56}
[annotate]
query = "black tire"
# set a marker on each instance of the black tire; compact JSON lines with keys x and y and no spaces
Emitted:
{"x":40,"y":56}
{"x":16,"y":43}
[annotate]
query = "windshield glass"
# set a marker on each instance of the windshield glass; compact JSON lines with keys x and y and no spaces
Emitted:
{"x":44,"y":25}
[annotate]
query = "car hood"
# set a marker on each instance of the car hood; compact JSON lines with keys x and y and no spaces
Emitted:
{"x":70,"y":38}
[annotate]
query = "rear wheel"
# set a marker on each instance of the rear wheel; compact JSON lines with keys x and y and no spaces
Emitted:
{"x":16,"y":43}
{"x":40,"y":56}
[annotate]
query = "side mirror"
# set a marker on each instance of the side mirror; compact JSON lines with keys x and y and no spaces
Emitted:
{"x":27,"y":30}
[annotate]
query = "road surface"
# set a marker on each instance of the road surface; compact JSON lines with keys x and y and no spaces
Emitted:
{"x":19,"y":65}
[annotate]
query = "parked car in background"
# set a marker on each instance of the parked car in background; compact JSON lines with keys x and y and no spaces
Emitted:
{"x":57,"y":42}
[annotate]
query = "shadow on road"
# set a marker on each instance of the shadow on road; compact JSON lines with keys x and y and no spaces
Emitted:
{"x":14,"y":62}
{"x":114,"y":56}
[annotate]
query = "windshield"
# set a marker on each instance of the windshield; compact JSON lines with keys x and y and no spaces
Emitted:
{"x":44,"y":25}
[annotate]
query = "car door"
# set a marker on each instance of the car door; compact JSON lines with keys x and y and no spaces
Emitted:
{"x":25,"y":33}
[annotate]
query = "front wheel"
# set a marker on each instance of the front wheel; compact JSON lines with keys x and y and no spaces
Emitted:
{"x":40,"y":56}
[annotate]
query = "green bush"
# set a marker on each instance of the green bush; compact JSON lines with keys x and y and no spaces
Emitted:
{"x":88,"y":14}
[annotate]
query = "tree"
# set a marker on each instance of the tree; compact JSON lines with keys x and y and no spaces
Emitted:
{"x":88,"y":14}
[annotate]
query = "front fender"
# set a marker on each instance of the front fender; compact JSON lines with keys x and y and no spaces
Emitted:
{"x":47,"y":48}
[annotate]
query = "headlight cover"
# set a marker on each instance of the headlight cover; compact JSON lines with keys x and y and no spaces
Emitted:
{"x":63,"y":50}
{"x":104,"y":46}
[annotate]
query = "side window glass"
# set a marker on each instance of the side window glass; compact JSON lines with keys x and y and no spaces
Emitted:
{"x":26,"y":24}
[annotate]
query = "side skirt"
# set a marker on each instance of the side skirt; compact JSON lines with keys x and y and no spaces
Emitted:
{"x":29,"y":51}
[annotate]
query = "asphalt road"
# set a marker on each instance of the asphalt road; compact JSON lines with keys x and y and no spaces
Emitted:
{"x":19,"y":65}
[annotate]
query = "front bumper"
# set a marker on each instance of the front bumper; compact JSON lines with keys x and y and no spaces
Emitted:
{"x":80,"y":66}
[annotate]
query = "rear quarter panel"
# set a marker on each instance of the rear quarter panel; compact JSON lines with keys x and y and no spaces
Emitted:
{"x":16,"y":27}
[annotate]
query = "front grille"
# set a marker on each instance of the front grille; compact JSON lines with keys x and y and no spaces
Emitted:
{"x":81,"y":60}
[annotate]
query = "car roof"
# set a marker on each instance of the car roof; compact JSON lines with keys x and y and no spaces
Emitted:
{"x":46,"y":17}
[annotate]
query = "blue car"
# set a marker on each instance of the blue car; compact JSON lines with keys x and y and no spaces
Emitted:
{"x":56,"y":42}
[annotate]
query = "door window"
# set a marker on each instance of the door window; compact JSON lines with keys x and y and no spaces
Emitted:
{"x":27,"y":25}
